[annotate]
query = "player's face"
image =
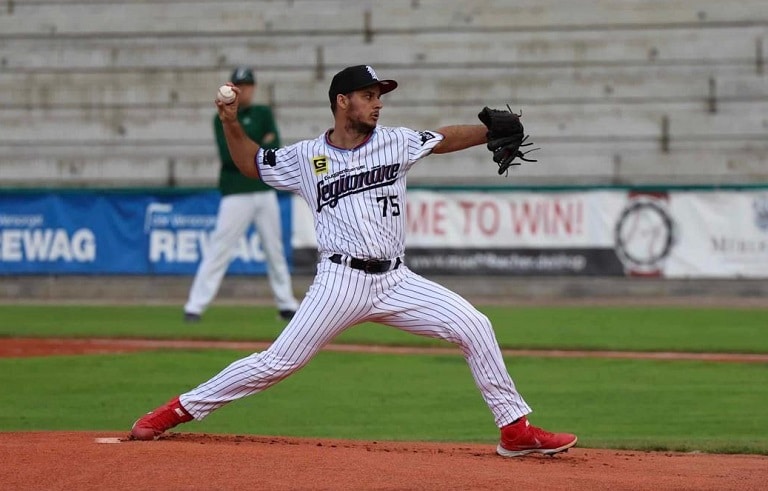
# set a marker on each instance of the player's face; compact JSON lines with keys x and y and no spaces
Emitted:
{"x":246,"y":94}
{"x":364,"y":107}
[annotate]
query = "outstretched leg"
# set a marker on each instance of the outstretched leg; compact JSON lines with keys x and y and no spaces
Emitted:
{"x":338,"y":299}
{"x":420,"y":306}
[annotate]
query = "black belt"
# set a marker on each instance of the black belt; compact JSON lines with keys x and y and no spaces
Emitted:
{"x":369,"y":265}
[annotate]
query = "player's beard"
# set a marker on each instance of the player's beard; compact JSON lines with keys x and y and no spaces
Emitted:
{"x":359,"y":126}
{"x":356,"y":124}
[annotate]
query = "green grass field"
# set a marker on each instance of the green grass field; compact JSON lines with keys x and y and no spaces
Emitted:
{"x":674,"y":405}
{"x":637,"y":328}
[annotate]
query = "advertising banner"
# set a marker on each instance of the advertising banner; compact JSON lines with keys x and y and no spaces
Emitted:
{"x":601,"y":232}
{"x":118,"y":233}
{"x":616,"y":232}
{"x":718,"y":235}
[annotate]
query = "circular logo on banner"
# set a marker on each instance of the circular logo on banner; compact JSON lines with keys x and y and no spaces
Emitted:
{"x":644,"y":235}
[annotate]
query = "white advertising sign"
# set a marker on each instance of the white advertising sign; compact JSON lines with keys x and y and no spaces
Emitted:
{"x":719,"y":234}
{"x":677,"y":234}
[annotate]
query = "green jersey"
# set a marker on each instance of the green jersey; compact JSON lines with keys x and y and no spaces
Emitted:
{"x":257,"y":122}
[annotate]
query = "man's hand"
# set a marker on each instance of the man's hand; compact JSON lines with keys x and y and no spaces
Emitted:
{"x":242,"y":149}
{"x":228,"y":112}
{"x":268,"y":138}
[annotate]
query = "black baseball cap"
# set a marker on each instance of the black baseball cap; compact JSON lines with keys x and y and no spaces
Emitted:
{"x":242,"y":75}
{"x":355,"y":78}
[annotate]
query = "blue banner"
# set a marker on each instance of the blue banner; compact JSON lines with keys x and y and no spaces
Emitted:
{"x":120,"y":233}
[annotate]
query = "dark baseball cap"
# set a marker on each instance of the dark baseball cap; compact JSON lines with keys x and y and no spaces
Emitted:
{"x":242,"y":75}
{"x":355,"y":78}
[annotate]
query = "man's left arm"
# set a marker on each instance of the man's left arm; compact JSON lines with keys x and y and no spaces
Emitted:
{"x":459,"y":137}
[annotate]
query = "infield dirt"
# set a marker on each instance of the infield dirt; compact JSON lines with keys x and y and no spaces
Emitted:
{"x":106,"y":460}
{"x":66,"y":460}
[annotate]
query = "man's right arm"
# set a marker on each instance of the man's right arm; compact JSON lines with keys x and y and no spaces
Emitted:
{"x":242,"y":149}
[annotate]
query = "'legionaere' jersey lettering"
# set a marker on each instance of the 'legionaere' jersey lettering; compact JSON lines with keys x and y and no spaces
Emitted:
{"x":329,"y":193}
{"x":357,"y":196}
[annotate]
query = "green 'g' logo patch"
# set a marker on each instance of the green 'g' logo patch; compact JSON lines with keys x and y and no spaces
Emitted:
{"x":320,"y":164}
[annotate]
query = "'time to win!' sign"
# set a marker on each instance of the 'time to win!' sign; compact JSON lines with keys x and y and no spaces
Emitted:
{"x":506,"y":220}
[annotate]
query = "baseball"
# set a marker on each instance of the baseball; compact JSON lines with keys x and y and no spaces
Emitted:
{"x":226,"y":94}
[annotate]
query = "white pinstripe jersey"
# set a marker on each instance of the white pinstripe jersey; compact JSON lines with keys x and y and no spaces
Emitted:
{"x":357,"y":196}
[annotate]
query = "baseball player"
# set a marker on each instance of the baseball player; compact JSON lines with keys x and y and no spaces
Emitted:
{"x":243,"y":201}
{"x":353,"y":178}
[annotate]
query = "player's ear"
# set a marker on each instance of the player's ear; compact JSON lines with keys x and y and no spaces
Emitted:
{"x":342,"y":101}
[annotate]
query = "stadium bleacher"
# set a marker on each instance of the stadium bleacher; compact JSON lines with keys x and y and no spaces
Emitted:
{"x":119,"y":92}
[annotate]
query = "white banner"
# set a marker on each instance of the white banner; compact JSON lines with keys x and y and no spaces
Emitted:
{"x":497,"y":219}
{"x":501,"y":220}
{"x":719,"y":234}
{"x":676,"y":234}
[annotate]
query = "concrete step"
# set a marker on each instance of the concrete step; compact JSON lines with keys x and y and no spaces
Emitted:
{"x":580,"y":48}
{"x":559,"y":163}
{"x":313,"y":17}
{"x":135,"y":170}
{"x":733,"y":121}
{"x":417,"y":87}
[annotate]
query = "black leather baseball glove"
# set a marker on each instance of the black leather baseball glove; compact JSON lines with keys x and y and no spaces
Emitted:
{"x":505,"y":137}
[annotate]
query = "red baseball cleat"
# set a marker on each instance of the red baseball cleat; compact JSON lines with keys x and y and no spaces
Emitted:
{"x":154,"y":423}
{"x":522,"y":438}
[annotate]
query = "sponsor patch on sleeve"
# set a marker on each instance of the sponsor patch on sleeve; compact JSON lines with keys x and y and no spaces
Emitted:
{"x":320,"y":164}
{"x":426,"y":136}
{"x":270,"y":157}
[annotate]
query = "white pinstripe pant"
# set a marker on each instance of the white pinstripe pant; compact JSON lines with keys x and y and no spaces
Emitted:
{"x":341,"y":297}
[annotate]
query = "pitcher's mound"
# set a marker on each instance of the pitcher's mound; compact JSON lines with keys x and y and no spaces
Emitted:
{"x":103,"y":460}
